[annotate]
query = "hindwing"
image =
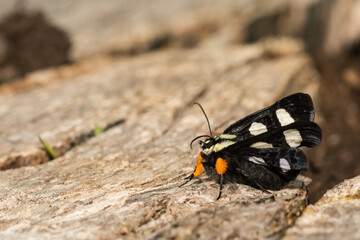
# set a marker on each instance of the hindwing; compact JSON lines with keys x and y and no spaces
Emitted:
{"x":284,"y":164}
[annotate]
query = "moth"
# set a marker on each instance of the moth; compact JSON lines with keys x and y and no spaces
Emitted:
{"x":262,"y":149}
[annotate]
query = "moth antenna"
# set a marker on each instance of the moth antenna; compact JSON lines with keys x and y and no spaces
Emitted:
{"x":205,"y":117}
{"x":197,"y":139}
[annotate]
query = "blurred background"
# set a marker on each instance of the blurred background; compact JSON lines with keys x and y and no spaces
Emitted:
{"x":40,"y":34}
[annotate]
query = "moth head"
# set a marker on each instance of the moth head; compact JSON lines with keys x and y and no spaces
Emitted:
{"x":208,"y":143}
{"x":204,"y":144}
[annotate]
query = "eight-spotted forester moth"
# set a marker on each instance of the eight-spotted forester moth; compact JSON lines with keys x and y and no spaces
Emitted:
{"x":262,"y":149}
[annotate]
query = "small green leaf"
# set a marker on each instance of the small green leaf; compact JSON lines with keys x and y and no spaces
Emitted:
{"x":48,"y":148}
{"x":97,"y":130}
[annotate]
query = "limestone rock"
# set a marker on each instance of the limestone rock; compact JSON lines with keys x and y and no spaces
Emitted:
{"x":335,"y":216}
{"x":127,"y":26}
{"x":333,"y":28}
{"x":32,"y":43}
{"x":124,"y":182}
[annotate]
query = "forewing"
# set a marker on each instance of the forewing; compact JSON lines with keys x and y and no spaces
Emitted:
{"x":294,"y":135}
{"x":297,"y":107}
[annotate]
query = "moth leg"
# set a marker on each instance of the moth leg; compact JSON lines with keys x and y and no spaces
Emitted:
{"x":198,"y":170}
{"x":188,"y":179}
{"x":262,"y":189}
{"x":221,"y":186}
{"x":221,"y":167}
{"x":272,"y":196}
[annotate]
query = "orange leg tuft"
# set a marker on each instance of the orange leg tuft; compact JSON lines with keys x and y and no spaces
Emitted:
{"x":221,"y":166}
{"x":199,"y":167}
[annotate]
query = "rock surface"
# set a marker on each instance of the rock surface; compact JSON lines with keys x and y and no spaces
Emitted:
{"x":123,"y":183}
{"x":30,"y":44}
{"x":333,"y":28}
{"x":127,"y":26}
{"x":335,"y":216}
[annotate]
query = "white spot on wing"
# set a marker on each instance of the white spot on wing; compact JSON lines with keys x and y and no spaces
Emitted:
{"x":220,"y":146}
{"x":284,"y":117}
{"x":312,"y":116}
{"x":293,"y":137}
{"x":257,"y":128}
{"x":261,"y":145}
{"x":257,"y":160}
{"x":284,"y":165}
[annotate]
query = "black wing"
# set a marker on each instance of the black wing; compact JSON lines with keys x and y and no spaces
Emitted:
{"x":283,"y":159}
{"x":266,"y":168}
{"x":298,"y":105}
{"x":286,"y":123}
{"x":297,"y":134}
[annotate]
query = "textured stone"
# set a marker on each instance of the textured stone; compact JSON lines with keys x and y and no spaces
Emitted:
{"x":79,"y":103}
{"x":326,"y":35}
{"x":32,"y":43}
{"x":127,"y":26}
{"x":124,"y":182}
{"x":335,"y":216}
